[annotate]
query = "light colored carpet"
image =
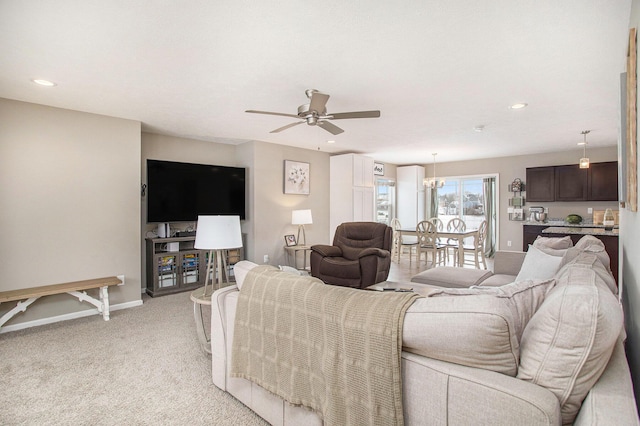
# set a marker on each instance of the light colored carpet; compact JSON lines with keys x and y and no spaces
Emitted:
{"x":143,"y":367}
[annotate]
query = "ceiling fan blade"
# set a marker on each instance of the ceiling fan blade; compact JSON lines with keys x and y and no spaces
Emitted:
{"x":330,"y":127}
{"x":271,"y":113}
{"x":318,"y":102}
{"x":354,"y":114}
{"x":286,"y":127}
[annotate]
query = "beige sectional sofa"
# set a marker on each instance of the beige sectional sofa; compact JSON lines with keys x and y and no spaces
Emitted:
{"x":540,"y":351}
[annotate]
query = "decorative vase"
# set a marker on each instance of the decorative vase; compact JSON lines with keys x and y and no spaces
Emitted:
{"x":608,"y":220}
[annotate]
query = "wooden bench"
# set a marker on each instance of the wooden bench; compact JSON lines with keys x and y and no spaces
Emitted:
{"x":76,"y":289}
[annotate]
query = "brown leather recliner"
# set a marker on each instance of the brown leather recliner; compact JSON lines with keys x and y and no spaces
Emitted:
{"x":359,"y":257}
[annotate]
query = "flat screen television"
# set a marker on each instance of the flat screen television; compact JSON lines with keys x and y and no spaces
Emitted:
{"x":179,"y":192}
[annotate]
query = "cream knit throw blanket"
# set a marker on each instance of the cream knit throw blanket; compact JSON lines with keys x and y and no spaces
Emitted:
{"x":333,"y":349}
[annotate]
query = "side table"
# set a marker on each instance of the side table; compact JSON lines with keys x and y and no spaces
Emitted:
{"x":200,"y":299}
{"x":292,"y":251}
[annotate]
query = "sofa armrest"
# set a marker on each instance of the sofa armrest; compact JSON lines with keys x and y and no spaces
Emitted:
{"x":508,"y":262}
{"x":326,"y":250}
{"x":223,"y":304}
{"x":447,"y":393}
{"x":611,"y":400}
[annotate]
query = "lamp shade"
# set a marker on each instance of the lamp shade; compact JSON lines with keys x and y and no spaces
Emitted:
{"x":218,"y":232}
{"x":301,"y":217}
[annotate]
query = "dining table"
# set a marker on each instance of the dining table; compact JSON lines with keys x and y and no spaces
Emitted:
{"x":454,"y":235}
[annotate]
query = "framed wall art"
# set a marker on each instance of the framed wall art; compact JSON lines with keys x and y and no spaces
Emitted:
{"x":631,"y":148}
{"x":296,"y":177}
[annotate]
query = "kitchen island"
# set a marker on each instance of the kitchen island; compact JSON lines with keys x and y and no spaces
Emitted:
{"x":531,"y":231}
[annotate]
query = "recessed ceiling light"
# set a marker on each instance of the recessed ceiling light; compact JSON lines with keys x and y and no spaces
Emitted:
{"x":331,"y":141}
{"x":518,"y":106}
{"x":41,"y":82}
{"x":479,"y":128}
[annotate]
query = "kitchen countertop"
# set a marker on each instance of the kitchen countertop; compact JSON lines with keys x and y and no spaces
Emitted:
{"x":551,"y":222}
{"x":575,"y":230}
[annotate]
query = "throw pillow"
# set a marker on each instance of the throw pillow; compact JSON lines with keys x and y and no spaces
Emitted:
{"x":556,"y":243}
{"x":240,"y":271}
{"x":538,"y":265}
{"x":580,"y":258}
{"x":590,"y":244}
{"x":289,"y":270}
{"x":567,"y":344}
{"x":522,"y":298}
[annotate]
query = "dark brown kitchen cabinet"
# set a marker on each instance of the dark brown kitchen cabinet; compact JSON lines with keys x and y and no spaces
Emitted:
{"x":601,"y":178}
{"x":571,"y":183}
{"x":540,"y":184}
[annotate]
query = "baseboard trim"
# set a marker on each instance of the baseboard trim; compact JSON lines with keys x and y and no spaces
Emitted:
{"x":65,"y":317}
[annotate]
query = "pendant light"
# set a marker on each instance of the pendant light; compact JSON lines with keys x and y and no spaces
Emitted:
{"x":434,"y":183}
{"x":584,"y":161}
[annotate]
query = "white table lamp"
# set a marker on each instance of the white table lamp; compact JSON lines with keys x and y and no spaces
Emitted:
{"x":301,"y":218}
{"x":217,"y":233}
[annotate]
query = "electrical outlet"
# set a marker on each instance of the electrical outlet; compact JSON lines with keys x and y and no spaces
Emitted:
{"x":266,"y":258}
{"x":508,"y":243}
{"x":590,"y":210}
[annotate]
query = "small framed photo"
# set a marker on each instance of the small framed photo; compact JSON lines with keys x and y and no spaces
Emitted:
{"x":290,"y":240}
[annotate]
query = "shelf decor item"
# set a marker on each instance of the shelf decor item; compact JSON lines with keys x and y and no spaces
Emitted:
{"x":609,"y":220}
{"x":296,"y":177}
{"x":517,"y":186}
{"x":217,"y":234}
{"x":290,"y":240}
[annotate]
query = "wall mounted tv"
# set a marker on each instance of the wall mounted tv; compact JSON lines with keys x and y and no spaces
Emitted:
{"x":179,"y":192}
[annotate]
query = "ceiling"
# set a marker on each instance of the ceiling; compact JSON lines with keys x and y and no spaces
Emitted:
{"x":434,"y":68}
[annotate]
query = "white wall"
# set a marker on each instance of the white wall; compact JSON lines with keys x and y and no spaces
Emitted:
{"x":630,"y":241}
{"x":69,"y":188}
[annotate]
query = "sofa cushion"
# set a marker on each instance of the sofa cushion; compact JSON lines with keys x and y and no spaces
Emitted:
{"x":497,"y":280}
{"x":522,"y":298}
{"x":473,"y":331}
{"x":447,"y":276}
{"x":556,"y":243}
{"x":241,"y":269}
{"x":538,"y":265}
{"x":565,"y":347}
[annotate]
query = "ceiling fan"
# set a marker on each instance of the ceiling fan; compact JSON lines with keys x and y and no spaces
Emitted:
{"x":315,"y":113}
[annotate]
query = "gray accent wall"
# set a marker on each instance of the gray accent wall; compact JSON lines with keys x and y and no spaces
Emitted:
{"x":69,"y":210}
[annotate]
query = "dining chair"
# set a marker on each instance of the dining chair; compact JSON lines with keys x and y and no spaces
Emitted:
{"x":438,"y":223}
{"x":477,"y":247}
{"x":428,"y":243}
{"x":439,"y":226}
{"x":402,"y":242}
{"x":454,"y":225}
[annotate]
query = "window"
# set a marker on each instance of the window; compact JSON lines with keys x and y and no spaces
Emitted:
{"x":462,"y":198}
{"x":385,"y":200}
{"x":472,"y":199}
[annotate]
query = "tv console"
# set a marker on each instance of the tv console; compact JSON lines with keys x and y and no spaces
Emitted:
{"x":182,"y":269}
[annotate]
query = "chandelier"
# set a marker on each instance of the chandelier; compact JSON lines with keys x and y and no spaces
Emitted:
{"x":433,"y":182}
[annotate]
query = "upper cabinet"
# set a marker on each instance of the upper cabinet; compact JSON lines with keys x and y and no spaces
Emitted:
{"x":571,"y":183}
{"x":540,"y":184}
{"x":601,"y":179}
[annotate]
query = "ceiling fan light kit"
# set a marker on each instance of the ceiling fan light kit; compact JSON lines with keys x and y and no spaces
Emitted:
{"x":315,"y":114}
